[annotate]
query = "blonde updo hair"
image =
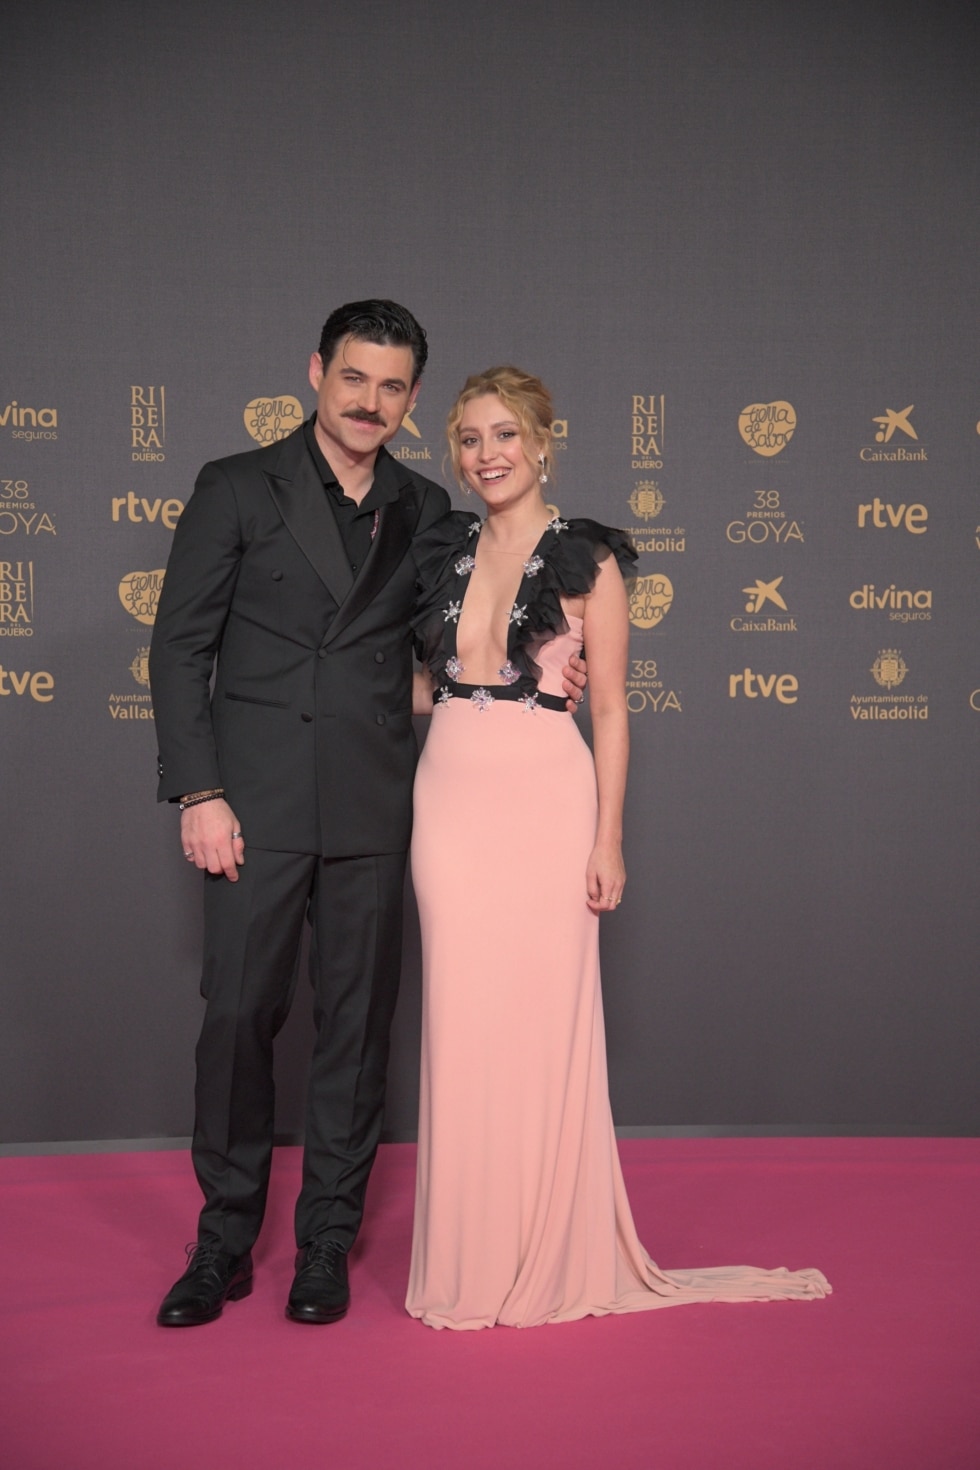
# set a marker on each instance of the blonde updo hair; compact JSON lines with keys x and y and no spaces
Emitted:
{"x":525,"y":396}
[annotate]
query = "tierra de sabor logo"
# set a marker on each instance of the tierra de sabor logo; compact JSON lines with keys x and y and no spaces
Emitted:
{"x":19,"y":516}
{"x":139,"y":593}
{"x":269,"y":419}
{"x":647,"y":436}
{"x":884,"y":450}
{"x":135,"y":706}
{"x":650,"y":600}
{"x":647,"y":692}
{"x":760,"y":596}
{"x":889,"y":671}
{"x":147,"y":421}
{"x":900,"y":603}
{"x":765,"y":520}
{"x":768,"y":427}
{"x":27,"y":423}
{"x":16,"y":599}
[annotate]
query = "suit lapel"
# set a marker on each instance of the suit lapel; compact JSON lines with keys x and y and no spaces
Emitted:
{"x":302,"y":501}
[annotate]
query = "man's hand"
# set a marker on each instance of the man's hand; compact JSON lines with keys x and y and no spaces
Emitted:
{"x":210,"y":838}
{"x":575,"y":676}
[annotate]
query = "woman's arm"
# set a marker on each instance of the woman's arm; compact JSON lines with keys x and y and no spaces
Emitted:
{"x":422,"y":691}
{"x":606,"y":619}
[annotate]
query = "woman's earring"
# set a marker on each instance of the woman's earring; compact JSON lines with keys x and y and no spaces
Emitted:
{"x":543,"y":477}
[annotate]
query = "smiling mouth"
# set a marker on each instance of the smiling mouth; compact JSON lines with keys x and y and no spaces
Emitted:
{"x":489,"y":476}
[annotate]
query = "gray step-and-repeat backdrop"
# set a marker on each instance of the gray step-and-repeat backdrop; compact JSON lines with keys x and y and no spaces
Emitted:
{"x":739,"y":241}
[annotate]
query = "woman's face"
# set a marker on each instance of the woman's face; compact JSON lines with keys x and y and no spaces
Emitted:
{"x":493,"y":458}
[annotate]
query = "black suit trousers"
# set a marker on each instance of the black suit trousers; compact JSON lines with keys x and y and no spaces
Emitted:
{"x":252,"y":935}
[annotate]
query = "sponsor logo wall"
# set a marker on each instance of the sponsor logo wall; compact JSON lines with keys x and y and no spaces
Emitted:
{"x":782,"y":413}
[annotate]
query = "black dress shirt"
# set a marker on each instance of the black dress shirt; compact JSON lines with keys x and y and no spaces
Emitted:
{"x":357,"y":523}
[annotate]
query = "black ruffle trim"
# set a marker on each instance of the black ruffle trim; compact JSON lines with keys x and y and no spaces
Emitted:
{"x":571,"y":557}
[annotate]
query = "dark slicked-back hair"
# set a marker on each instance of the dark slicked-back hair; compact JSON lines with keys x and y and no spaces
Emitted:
{"x":383,"y":322}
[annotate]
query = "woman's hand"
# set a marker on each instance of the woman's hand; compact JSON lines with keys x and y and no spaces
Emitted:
{"x":605,"y":877}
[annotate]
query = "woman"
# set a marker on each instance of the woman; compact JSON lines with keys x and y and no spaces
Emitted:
{"x":521,"y":1214}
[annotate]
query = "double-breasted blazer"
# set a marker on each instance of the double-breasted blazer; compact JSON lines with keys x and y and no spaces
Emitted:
{"x":275,"y":672}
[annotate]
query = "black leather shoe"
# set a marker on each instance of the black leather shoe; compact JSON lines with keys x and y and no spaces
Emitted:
{"x":320,"y":1291}
{"x":213,"y":1277}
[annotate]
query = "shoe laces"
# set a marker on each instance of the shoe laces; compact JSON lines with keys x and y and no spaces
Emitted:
{"x":324,"y":1254}
{"x":202,"y":1253}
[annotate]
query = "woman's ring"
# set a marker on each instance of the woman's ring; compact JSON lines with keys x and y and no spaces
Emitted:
{"x":234,"y":835}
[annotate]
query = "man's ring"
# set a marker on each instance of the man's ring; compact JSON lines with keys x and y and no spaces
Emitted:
{"x":234,"y":835}
{"x":188,"y":854}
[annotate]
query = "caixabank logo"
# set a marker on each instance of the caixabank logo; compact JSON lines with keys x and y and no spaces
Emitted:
{"x":147,"y":422}
{"x":19,"y":513}
{"x":407,"y":450}
{"x":766,"y":522}
{"x":766,"y":609}
{"x":767,"y":428}
{"x":16,"y":599}
{"x":25,"y":423}
{"x":895,"y":440}
{"x":270,"y":419}
{"x":889,"y":672}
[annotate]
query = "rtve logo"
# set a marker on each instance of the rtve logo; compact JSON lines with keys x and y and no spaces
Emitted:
{"x":881,"y":514}
{"x":763,"y":686}
{"x":40,"y":686}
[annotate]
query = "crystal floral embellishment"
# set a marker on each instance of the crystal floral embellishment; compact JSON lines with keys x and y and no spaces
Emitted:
{"x":475,"y":528}
{"x":528,"y":703}
{"x":444,"y":696}
{"x":518,"y":615}
{"x":451,"y":613}
{"x":454,"y":667}
{"x":508,"y":674}
{"x":482,"y":698}
{"x":533,"y":566}
{"x":465,"y":565}
{"x":557,"y":525}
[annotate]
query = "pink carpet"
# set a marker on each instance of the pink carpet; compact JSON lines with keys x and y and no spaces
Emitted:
{"x":881,"y":1376}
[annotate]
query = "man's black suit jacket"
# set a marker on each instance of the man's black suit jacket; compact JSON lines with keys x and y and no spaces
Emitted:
{"x":308,"y":725}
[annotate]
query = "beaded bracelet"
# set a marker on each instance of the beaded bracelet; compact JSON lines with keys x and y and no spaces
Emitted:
{"x":198,"y":797}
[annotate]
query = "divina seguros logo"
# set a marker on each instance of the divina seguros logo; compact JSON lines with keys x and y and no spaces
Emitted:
{"x":27,"y":423}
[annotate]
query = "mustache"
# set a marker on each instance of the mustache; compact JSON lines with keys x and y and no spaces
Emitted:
{"x":364,"y":416}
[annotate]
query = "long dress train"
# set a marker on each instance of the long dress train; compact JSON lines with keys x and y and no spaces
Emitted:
{"x":521,"y":1212}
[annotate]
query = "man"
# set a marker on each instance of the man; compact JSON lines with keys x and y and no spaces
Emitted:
{"x":292,"y":568}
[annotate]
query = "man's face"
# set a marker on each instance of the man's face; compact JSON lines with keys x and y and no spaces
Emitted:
{"x":362,"y":395}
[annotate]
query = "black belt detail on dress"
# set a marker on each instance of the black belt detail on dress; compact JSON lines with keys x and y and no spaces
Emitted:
{"x":486,"y":694}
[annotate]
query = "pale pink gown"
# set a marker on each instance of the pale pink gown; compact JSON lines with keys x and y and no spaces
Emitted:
{"x":521,"y":1214}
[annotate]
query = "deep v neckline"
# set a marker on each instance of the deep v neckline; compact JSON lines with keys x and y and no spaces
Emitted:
{"x":517,"y":613}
